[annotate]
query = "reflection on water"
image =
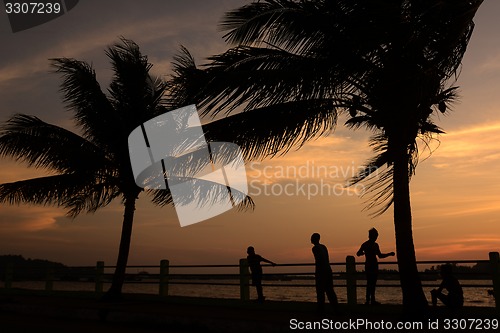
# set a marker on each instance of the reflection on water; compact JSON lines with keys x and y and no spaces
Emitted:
{"x":477,"y":296}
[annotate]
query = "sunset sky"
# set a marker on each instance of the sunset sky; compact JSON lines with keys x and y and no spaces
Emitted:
{"x":455,"y":192}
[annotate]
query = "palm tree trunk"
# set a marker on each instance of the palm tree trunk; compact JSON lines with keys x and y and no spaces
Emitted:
{"x":115,"y":290}
{"x":414,"y":300}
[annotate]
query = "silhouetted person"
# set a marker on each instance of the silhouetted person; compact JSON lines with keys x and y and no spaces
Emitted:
{"x":455,"y":297}
{"x":323,"y":274}
{"x":254,"y":261}
{"x":371,"y":251}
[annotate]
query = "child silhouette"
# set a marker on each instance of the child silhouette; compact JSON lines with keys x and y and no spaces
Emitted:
{"x":371,"y":251}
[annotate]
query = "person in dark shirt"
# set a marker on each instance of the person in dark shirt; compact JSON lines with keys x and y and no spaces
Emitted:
{"x":254,"y":261}
{"x":455,"y":297}
{"x":323,"y":274}
{"x":371,"y":251}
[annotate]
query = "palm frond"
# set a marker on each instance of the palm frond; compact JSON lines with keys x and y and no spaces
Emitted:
{"x":41,"y":145}
{"x":447,"y":45}
{"x":311,"y":26}
{"x":379,"y":192}
{"x":286,"y":24}
{"x":91,"y":109}
{"x":202,"y":193}
{"x":71,"y":191}
{"x":135,"y":93}
{"x":377,"y":178}
{"x":255,"y":78}
{"x":186,"y":82}
{"x":275,"y":129}
{"x":92,"y":197}
{"x":160,"y":197}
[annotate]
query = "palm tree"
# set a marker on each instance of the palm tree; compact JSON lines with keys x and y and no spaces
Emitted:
{"x":90,"y":170}
{"x":294,"y":65}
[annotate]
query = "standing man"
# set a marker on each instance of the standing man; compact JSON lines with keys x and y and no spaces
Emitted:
{"x":323,"y":274}
{"x":256,"y":269}
{"x":371,"y":250}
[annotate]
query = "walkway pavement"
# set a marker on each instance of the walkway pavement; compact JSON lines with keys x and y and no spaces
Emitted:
{"x":75,"y":313}
{"x":67,"y":313}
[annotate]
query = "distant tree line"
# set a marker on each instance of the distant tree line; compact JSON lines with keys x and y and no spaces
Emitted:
{"x":480,"y":271}
{"x":36,"y":269}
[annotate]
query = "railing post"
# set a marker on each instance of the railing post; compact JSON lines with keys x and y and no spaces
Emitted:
{"x":350,"y":268}
{"x":244,"y":280}
{"x":99,"y":277}
{"x":9,"y":275}
{"x":164,"y":271}
{"x":495,"y":270}
{"x":49,"y":278}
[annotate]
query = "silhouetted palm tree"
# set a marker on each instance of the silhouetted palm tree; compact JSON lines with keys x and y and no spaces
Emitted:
{"x":93,"y":169}
{"x":296,"y":64}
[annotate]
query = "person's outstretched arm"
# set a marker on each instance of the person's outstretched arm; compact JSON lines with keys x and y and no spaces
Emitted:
{"x":383,"y":255}
{"x":269,"y":261}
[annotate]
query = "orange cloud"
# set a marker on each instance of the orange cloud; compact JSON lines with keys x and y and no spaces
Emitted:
{"x":473,"y":247}
{"x":471,"y":146}
{"x":492,"y":64}
{"x":33,"y":219}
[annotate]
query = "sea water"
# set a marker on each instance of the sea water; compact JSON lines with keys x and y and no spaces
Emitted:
{"x":474,"y":296}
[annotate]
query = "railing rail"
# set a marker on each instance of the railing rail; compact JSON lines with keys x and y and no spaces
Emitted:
{"x":165,"y":278}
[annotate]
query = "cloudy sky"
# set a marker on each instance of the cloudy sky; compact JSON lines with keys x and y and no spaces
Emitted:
{"x":455,"y":193}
